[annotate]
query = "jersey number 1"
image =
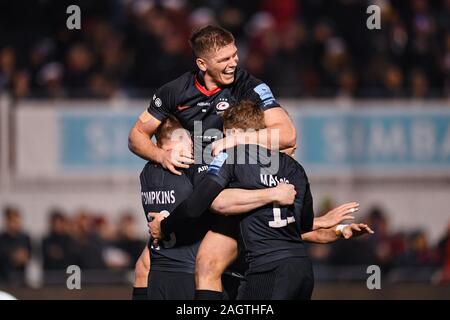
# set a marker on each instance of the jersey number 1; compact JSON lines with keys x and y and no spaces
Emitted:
{"x":277,"y":222}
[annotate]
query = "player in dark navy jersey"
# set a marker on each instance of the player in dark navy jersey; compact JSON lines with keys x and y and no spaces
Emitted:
{"x":173,"y":260}
{"x":202,"y":95}
{"x":271,"y":236}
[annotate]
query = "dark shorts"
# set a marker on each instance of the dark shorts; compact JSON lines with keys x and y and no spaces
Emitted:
{"x":288,"y":279}
{"x":163,"y":285}
{"x":226,"y":225}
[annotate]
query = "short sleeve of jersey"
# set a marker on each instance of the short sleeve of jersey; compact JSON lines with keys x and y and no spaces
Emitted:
{"x":163,"y":102}
{"x":221,"y":170}
{"x":253,"y":89}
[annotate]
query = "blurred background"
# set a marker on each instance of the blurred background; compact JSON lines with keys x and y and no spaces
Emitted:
{"x":372,"y":109}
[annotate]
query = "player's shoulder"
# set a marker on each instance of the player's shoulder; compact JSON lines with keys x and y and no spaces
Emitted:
{"x":154,"y":174}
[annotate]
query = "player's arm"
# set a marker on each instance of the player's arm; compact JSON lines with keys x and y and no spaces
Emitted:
{"x":139,"y":138}
{"x":279,"y":133}
{"x":333,"y":234}
{"x":336,"y":216}
{"x":238,"y":201}
{"x":191,"y":208}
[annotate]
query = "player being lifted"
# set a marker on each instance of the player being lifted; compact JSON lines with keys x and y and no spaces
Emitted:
{"x":201,"y":95}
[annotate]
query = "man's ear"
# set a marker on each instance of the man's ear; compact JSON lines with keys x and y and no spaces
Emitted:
{"x":201,"y":64}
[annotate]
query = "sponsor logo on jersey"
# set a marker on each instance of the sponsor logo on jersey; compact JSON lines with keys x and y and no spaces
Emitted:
{"x":223,"y":105}
{"x":202,"y":168}
{"x":265,"y":94}
{"x":203,"y":104}
{"x":183,"y":107}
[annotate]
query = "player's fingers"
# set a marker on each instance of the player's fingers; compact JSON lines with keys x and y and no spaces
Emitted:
{"x":187,"y":154}
{"x":347,"y":217}
{"x":349,"y":205}
{"x":369,"y":230}
{"x":184,"y":159}
{"x":356,"y":227}
{"x":172,"y":169}
{"x":180,"y":165}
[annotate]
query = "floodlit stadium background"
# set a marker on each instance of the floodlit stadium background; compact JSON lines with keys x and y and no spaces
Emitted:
{"x":371,"y":109}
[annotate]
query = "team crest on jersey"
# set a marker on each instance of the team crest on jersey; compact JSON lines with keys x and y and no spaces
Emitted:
{"x":223,"y":105}
{"x":158,"y":102}
{"x":217,"y":163}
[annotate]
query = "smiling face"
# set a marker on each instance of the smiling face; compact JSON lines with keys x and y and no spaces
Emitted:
{"x":219,"y":66}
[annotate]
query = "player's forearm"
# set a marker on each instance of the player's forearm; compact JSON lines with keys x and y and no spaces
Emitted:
{"x":140,"y":144}
{"x":277,"y":137}
{"x":321,"y":236}
{"x":193,"y":207}
{"x":239,"y":201}
{"x":319,"y":223}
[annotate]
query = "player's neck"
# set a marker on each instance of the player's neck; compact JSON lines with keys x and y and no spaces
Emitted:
{"x":209,"y":83}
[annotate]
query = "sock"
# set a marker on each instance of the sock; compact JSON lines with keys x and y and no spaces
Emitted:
{"x":139,"y":294}
{"x":208,"y":295}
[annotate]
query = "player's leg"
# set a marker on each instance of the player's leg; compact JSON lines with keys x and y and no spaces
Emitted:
{"x":216,"y":252}
{"x":141,"y":271}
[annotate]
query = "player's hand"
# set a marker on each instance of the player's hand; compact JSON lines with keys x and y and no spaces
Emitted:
{"x":284,"y":194}
{"x":228,"y":142}
{"x":174,"y":158}
{"x":337,"y":215}
{"x":154,"y":226}
{"x":355,"y":230}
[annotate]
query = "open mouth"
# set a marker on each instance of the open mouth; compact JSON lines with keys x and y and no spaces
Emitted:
{"x":229,"y":73}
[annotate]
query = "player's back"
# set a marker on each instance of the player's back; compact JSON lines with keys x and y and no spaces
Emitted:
{"x":162,"y":190}
{"x":271,"y":233}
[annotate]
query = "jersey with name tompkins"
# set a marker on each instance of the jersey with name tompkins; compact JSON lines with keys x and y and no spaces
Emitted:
{"x":188,"y":100}
{"x":269,"y":233}
{"x":163,"y":191}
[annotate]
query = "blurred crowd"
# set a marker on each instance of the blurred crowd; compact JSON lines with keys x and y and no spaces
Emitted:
{"x":86,"y":239}
{"x":408,"y":251}
{"x":301,"y":48}
{"x":92,"y":242}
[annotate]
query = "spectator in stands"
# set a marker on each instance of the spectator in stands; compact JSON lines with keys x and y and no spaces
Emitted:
{"x":58,"y":247}
{"x":128,"y":239}
{"x":89,"y":246}
{"x":15,"y":248}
